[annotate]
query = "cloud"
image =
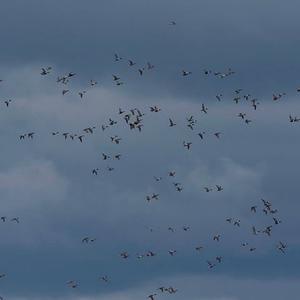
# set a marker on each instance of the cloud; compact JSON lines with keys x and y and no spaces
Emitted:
{"x":47,"y":181}
{"x":197,"y":287}
{"x":32,"y":191}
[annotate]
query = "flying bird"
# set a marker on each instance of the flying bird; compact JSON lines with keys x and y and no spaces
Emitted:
{"x":186,"y":73}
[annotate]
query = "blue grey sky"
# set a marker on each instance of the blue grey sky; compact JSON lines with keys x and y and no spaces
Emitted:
{"x":48,"y":183}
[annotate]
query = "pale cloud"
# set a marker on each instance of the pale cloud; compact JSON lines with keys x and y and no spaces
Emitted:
{"x":31,"y":190}
{"x":32,"y":184}
{"x":211,"y":287}
{"x":47,"y":181}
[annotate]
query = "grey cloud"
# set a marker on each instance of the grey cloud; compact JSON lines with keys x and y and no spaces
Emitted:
{"x":48,"y":181}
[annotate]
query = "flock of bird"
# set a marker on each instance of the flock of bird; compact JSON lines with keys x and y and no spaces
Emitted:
{"x":133,"y":119}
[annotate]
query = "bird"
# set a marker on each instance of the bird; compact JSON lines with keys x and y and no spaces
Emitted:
{"x":172,"y":252}
{"x":266,"y":204}
{"x":116,"y":78}
{"x":247,"y":97}
{"x":171,"y":290}
{"x":217,"y":134}
{"x":186,"y":228}
{"x":265,"y":211}
{"x":46,"y":71}
{"x":131,"y":63}
{"x":219,"y":97}
{"x":93,"y":82}
{"x":63,"y":80}
{"x":155,"y":196}
{"x":141,"y":71}
{"x":242,"y":115}
{"x":121,"y":111}
{"x":278,"y":96}
{"x":115,"y":139}
{"x":186,"y":73}
{"x":293,"y":119}
{"x":150,"y":254}
{"x":191,"y":126}
{"x":210,"y":264}
{"x":72,"y":284}
{"x":268,"y":230}
{"x":112,"y":122}
{"x":71,"y":74}
{"x":150,"y":66}
{"x":117,"y":57}
{"x":81,"y":138}
{"x":219,"y":188}
{"x":72,"y":136}
{"x":105,"y":156}
{"x":219,"y":259}
{"x":155,"y":109}
{"x":140,"y":256}
{"x":281,"y":247}
{"x":95,"y":171}
{"x":104,"y":278}
{"x":179,"y":188}
{"x":117,"y":156}
{"x":217,"y":237}
{"x":254,"y":231}
{"x":237,"y":223}
{"x":254,"y":103}
{"x":198,"y":248}
{"x":229,"y":220}
{"x":172,"y":173}
{"x":207,"y":72}
{"x":171,"y":229}
{"x":276,"y":221}
{"x":124,"y":254}
{"x":171,"y":122}
{"x":89,"y":129}
{"x":187,"y":145}
{"x":85,"y":240}
{"x":204,"y":108}
{"x":237,"y":99}
{"x":81,"y":94}
{"x":7,"y":102}
{"x":201,"y":135}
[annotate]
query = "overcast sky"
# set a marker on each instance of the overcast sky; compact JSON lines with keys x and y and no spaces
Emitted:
{"x":47,"y":181}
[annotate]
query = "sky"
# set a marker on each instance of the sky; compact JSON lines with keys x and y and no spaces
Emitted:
{"x":47,"y":181}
